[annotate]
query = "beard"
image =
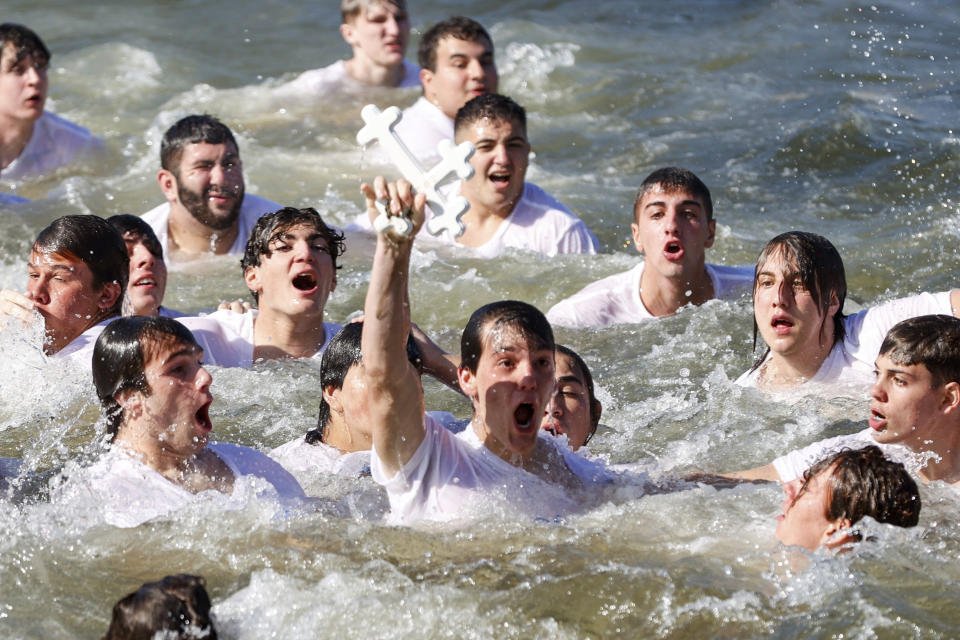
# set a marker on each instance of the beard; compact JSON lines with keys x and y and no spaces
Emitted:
{"x":197,"y":204}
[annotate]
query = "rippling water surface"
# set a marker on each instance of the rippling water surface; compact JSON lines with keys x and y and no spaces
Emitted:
{"x":821,"y":116}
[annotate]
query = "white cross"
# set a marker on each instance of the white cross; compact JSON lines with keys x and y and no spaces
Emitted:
{"x":455,"y":161}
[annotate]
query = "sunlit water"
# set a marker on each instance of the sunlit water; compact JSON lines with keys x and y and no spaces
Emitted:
{"x":819,"y":116}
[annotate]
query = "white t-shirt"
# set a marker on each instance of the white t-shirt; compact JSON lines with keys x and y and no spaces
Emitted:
{"x":334,"y":77}
{"x":125,"y":492}
{"x":851,"y":361}
{"x":80,"y":349}
{"x":793,"y":464}
{"x":454,"y":477}
{"x":616,"y":299}
{"x":251,"y":209}
{"x":421,"y":128}
{"x":56,"y":142}
{"x":299,"y":457}
{"x":227,"y":337}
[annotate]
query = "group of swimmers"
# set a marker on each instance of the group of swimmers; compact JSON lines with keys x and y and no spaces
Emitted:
{"x":98,"y":286}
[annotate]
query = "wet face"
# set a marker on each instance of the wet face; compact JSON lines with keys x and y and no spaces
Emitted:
{"x":177,"y":410}
{"x":791,"y":323}
{"x":804,"y":522}
{"x":568,"y":411}
{"x":379,"y":34}
{"x":61,"y":288}
{"x":148,"y":276}
{"x":672,"y":232}
{"x":23,"y":86}
{"x":297,"y":276}
{"x":905,"y":407}
{"x":210,"y":183}
{"x":464,"y":70}
{"x":510,"y":390}
{"x":499,"y":164}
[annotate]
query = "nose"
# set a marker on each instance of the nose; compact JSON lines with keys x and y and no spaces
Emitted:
{"x":391,"y":27}
{"x":475,"y":69}
{"x":142,"y":258}
{"x":38,"y":291}
{"x":203,"y":379}
{"x":790,"y":490}
{"x":500,"y":155}
{"x":670,"y":225}
{"x":302,"y":251}
{"x":877,"y":391}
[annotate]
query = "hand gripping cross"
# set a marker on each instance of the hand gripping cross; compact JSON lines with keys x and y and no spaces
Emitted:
{"x":455,"y":161}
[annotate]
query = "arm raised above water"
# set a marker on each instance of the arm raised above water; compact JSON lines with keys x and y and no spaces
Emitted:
{"x":394,"y":395}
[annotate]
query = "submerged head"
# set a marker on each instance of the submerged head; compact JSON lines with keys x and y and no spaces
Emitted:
{"x":839,"y":491}
{"x":573,"y":409}
{"x":290,"y":262}
{"x":78,"y":270}
{"x":175,"y":607}
{"x":23,"y":73}
{"x":149,"y":378}
{"x":456,"y":60}
{"x":916,"y":394}
{"x":343,"y":396}
{"x":507,"y":370}
{"x":147,"y":281}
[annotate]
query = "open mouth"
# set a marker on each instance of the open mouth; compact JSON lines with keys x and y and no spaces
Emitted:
{"x":673,"y":250}
{"x":145,"y":282}
{"x":500,"y":178}
{"x":203,"y":417}
{"x":781,"y":324}
{"x":877,"y":420}
{"x":305,"y":282}
{"x":523,"y":415}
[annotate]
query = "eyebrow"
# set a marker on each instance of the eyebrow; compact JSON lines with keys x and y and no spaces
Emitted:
{"x":185,"y":351}
{"x":568,"y":379}
{"x":661,"y":203}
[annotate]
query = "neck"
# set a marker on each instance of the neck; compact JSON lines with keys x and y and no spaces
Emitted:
{"x":277,"y":335}
{"x":944,"y":461}
{"x":338,"y":435}
{"x":662,"y":296}
{"x":151,"y":452}
{"x":481,"y":222}
{"x":375,"y":75}
{"x":56,"y":343}
{"x":14,"y":136}
{"x":789,"y":371}
{"x":485,"y":436}
{"x":186,"y":234}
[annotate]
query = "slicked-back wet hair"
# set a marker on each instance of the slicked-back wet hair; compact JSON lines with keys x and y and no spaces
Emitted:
{"x":863,"y":482}
{"x":458,"y":27}
{"x":342,"y":353}
{"x":491,"y":106}
{"x":121,"y":354}
{"x":675,"y":180}
{"x":933,"y":341}
{"x":273,"y":225}
{"x":24,"y":41}
{"x":177,"y":606}
{"x":192,"y":129}
{"x":818,"y":266}
{"x":350,"y":9}
{"x":505,"y":314}
{"x":93,"y":241}
{"x":126,"y":224}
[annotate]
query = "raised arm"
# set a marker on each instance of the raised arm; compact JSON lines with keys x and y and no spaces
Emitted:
{"x":394,"y":395}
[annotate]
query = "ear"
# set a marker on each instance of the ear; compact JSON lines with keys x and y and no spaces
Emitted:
{"x":168,"y":185}
{"x":833,"y":538}
{"x":108,"y":296}
{"x":635,"y":230}
{"x":426,"y":79}
{"x":252,"y":277}
{"x":834,"y":306}
{"x":332,"y":395}
{"x":596,"y":410}
{"x":712,"y":228}
{"x":468,"y":382}
{"x":131,"y":402}
{"x":950,"y":400}
{"x":346,"y":32}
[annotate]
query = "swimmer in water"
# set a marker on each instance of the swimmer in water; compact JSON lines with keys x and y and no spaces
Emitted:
{"x":574,"y":410}
{"x":914,"y":407}
{"x":798,"y":294}
{"x":207,"y":209}
{"x":290,"y":267}
{"x":176,"y":607}
{"x":77,"y":274}
{"x":148,"y":271}
{"x":155,"y":396}
{"x":837,"y":492}
{"x":673,"y":226}
{"x":456,"y":60}
{"x":33,"y":142}
{"x":507,"y":371}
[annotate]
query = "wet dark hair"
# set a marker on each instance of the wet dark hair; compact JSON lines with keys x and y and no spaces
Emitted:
{"x":273,"y":225}
{"x":121,"y":353}
{"x":134,"y":226}
{"x":25,"y":42}
{"x":492,"y":106}
{"x":933,"y":341}
{"x":673,"y":180}
{"x":865,"y":483}
{"x":818,"y":266}
{"x":192,"y":130}
{"x":93,"y":241}
{"x":523,"y":317}
{"x":342,"y":353}
{"x":584,"y":370}
{"x":458,"y":27}
{"x":178,"y":605}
